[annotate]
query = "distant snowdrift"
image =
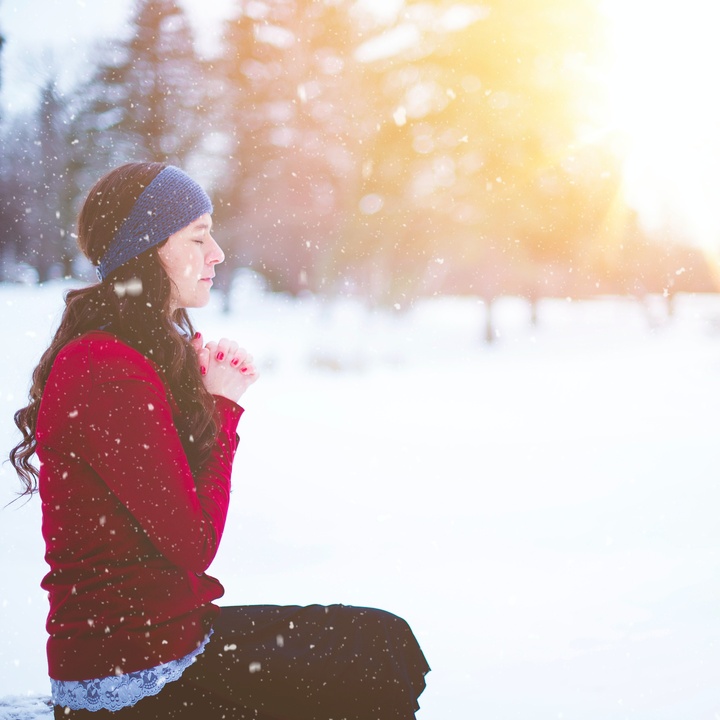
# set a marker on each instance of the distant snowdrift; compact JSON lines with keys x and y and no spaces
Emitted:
{"x":16,"y":707}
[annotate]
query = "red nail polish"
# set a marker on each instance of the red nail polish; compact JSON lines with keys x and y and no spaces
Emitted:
{"x":196,"y":336}
{"x":220,"y":355}
{"x":235,"y":362}
{"x":203,"y":370}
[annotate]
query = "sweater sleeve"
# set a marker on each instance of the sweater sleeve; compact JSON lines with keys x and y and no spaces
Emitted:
{"x":132,"y":443}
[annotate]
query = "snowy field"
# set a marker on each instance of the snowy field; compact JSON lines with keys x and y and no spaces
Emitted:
{"x":545,"y":512}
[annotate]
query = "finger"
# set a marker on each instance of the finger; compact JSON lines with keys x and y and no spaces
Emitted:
{"x":240,"y":356}
{"x":248,"y":369}
{"x":233,"y":357}
{"x":223,"y":349}
{"x":204,"y":360}
{"x":211,"y":350}
{"x":197,"y":342}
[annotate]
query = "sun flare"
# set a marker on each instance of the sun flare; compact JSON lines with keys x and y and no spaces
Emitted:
{"x":662,"y":84}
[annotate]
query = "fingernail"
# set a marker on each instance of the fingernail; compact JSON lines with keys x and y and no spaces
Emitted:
{"x":243,"y":369}
{"x":235,"y":362}
{"x":196,"y":336}
{"x":203,"y":370}
{"x":220,"y":355}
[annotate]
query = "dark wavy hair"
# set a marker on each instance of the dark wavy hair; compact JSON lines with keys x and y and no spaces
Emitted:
{"x":139,"y":313}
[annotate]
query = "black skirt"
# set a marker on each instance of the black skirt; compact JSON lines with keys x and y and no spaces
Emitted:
{"x":269,"y":662}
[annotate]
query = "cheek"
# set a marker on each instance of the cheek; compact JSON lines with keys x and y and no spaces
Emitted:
{"x":189,"y":266}
{"x":183,"y":266}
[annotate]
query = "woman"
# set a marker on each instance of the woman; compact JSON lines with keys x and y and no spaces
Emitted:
{"x":133,"y":418}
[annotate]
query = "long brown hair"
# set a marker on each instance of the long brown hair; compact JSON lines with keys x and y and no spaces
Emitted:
{"x":133,"y":302}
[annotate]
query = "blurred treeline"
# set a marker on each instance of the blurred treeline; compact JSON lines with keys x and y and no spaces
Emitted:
{"x":449,"y":148}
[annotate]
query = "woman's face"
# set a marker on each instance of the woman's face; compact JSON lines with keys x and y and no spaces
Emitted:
{"x":189,"y":257}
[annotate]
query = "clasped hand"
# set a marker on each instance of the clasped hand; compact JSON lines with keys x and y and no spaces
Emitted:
{"x":226,"y":368}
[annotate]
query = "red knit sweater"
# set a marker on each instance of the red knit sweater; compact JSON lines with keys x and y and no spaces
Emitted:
{"x":129,"y":531}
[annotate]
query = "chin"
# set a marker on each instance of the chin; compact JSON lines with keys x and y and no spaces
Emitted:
{"x":199,"y":302}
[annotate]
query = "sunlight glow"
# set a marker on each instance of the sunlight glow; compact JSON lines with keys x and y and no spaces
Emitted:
{"x":666,"y":107}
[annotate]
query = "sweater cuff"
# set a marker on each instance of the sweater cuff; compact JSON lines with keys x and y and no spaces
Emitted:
{"x":229,"y":412}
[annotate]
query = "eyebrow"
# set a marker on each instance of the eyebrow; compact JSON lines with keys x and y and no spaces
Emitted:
{"x":202,"y":226}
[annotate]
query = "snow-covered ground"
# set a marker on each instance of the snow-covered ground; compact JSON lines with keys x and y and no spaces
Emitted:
{"x":545,"y":512}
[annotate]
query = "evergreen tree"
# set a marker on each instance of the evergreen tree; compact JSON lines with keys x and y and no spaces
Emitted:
{"x":291,"y":101}
{"x":20,"y":172}
{"x":481,"y":165}
{"x":40,"y":209}
{"x":55,"y":185}
{"x":6,"y":245}
{"x":146,"y":100}
{"x":2,"y":45}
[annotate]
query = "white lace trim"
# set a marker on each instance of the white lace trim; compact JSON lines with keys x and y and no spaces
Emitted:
{"x":119,"y":691}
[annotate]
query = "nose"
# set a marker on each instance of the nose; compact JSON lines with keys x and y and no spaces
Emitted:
{"x":215,"y":256}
